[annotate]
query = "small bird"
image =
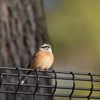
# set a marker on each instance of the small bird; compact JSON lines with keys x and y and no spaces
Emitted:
{"x":42,"y":59}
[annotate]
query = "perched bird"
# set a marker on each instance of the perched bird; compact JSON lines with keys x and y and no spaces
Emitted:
{"x":42,"y":59}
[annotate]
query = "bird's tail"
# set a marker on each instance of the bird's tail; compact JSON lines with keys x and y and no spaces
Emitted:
{"x":24,"y":78}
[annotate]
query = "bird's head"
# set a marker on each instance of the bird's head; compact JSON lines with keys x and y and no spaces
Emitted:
{"x":46,"y":47}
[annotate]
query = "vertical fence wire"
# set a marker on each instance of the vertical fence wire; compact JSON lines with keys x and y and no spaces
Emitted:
{"x":91,"y":90}
{"x":1,"y":77}
{"x":55,"y":86}
{"x":37,"y":83}
{"x":73,"y":88}
{"x":18,"y":85}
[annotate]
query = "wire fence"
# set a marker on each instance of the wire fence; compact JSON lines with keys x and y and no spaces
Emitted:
{"x":66,"y":85}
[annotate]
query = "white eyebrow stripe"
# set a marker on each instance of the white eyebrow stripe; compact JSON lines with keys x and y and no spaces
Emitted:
{"x":45,"y":45}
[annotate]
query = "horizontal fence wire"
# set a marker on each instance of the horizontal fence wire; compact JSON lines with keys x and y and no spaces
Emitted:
{"x":65,"y":84}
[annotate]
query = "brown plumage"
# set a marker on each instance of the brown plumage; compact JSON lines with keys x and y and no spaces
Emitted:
{"x":42,"y":60}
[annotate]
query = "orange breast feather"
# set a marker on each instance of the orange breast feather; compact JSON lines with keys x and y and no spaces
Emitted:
{"x":42,"y":60}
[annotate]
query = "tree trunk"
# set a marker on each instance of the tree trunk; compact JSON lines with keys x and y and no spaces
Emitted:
{"x":22,"y":30}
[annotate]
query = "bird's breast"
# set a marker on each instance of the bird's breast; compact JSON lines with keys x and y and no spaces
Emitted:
{"x":43,"y":60}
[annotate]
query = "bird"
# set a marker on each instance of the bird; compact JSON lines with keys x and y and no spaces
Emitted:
{"x":42,"y":59}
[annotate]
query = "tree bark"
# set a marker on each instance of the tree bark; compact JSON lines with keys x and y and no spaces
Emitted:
{"x":22,"y":30}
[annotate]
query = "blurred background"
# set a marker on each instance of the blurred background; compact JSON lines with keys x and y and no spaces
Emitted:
{"x":74,"y":29}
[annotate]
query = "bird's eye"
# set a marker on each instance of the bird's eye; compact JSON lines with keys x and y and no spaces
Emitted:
{"x":47,"y":46}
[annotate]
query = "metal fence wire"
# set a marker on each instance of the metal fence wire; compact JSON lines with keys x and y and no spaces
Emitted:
{"x":65,"y":85}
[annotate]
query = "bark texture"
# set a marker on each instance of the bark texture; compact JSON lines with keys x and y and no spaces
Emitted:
{"x":22,"y":30}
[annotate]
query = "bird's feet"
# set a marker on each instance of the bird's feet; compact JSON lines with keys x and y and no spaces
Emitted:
{"x":46,"y":70}
{"x":37,"y":69}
